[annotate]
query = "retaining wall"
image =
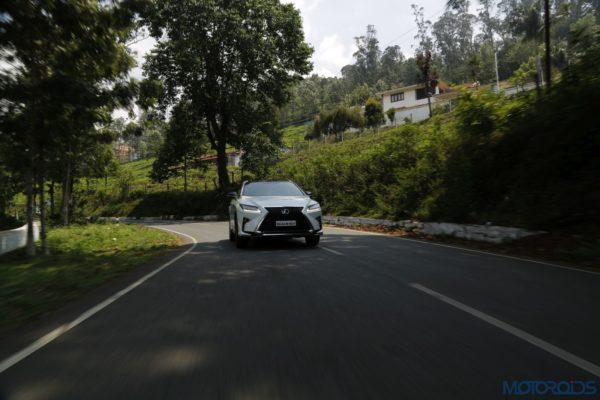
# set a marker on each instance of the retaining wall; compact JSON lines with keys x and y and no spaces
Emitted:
{"x":15,"y":238}
{"x":482,"y":233}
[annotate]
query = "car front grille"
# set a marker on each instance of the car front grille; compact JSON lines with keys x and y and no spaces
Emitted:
{"x":279,"y":214}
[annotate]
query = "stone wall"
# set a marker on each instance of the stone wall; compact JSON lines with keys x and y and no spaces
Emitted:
{"x":482,"y":233}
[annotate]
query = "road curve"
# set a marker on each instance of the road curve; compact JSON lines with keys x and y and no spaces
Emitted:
{"x":361,"y":317}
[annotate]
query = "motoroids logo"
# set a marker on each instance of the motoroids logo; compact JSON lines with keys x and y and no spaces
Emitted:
{"x":550,"y":388}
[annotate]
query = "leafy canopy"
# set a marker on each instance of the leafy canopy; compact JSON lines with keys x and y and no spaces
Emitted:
{"x":233,"y":60}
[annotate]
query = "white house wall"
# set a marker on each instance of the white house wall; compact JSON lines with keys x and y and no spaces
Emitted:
{"x":410,"y":100}
{"x":415,"y":114}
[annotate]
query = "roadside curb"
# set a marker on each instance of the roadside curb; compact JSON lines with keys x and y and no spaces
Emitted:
{"x":164,"y":218}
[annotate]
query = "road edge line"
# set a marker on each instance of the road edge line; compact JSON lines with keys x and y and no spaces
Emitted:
{"x":52,"y":335}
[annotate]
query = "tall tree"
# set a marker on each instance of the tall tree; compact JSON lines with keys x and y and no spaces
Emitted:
{"x":425,"y":42}
{"x":392,"y":69}
{"x":427,"y":76}
{"x":453,"y":34}
{"x":367,"y":57}
{"x":69,"y":63}
{"x":185,"y":142}
{"x":231,"y":59}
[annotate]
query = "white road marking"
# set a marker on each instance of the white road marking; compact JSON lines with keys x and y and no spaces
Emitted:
{"x":49,"y":337}
{"x":474,"y":251}
{"x":331,"y":251}
{"x":550,"y":348}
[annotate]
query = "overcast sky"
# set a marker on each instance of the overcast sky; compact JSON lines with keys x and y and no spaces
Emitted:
{"x":331,"y":25}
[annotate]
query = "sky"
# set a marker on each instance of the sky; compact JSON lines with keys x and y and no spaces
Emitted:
{"x":331,"y":25}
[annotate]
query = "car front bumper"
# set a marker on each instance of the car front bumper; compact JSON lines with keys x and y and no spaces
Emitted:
{"x":265,"y":223}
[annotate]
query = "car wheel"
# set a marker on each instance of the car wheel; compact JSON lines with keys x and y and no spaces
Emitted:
{"x":312,"y":240}
{"x":240,"y":241}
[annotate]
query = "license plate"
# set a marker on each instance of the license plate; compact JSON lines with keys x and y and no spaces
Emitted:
{"x":285,"y":223}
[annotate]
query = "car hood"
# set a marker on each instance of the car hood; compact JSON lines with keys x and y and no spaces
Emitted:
{"x":277,"y":201}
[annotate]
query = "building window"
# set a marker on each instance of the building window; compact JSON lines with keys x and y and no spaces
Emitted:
{"x":422,"y":93}
{"x":397,"y":97}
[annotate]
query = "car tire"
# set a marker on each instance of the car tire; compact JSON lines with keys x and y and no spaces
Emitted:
{"x":312,"y":241}
{"x":240,"y":241}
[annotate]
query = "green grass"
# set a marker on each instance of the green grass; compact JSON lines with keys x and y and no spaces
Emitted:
{"x":82,"y":258}
{"x":293,"y":136}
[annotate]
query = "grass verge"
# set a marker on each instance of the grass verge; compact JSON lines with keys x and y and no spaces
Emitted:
{"x":82,"y":258}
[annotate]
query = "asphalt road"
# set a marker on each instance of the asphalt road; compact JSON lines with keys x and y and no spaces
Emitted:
{"x":360,"y":317}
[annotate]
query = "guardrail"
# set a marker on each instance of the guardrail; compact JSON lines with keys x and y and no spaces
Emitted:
{"x":16,"y":238}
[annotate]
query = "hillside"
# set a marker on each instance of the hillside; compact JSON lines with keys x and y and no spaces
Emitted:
{"x":494,"y":159}
{"x":131,"y":192}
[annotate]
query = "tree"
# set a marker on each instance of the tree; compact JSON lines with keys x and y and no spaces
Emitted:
{"x":231,"y":60}
{"x":391,"y":115}
{"x":184,"y":143}
{"x":392,"y":70}
{"x":367,"y":55}
{"x":337,"y":121}
{"x":374,"y":113}
{"x":427,"y":76}
{"x":453,"y":34}
{"x":259,"y":153}
{"x":69,"y":68}
{"x":423,"y":30}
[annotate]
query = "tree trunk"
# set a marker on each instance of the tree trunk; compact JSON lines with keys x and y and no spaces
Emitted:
{"x":30,"y":246}
{"x":547,"y":43}
{"x":185,"y":170}
{"x":43,"y":238}
{"x":66,"y":195}
{"x":51,"y":193}
{"x":222,"y":165}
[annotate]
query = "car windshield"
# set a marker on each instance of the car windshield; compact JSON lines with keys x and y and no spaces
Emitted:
{"x":272,"y":189}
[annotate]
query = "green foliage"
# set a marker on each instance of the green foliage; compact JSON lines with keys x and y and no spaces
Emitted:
{"x":234,"y":62}
{"x":8,"y":189}
{"x":359,"y":95}
{"x":185,"y":142}
{"x":337,"y":121}
{"x":293,"y":136}
{"x":260,"y":153}
{"x":391,"y":115}
{"x":525,"y":74}
{"x":70,"y":66}
{"x":512,"y":161}
{"x":374,"y":113}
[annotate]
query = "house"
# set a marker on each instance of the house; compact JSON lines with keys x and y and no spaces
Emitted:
{"x":233,"y":158}
{"x":410,"y":102}
{"x":124,"y":153}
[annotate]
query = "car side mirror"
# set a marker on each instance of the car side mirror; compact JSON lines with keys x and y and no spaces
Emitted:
{"x":232,"y":195}
{"x":309,"y":194}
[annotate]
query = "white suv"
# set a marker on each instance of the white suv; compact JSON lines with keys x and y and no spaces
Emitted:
{"x":273,"y":209}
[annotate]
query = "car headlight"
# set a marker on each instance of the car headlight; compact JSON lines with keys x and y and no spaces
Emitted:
{"x":248,"y":207}
{"x":314,"y":207}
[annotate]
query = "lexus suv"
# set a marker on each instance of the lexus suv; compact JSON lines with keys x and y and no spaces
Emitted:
{"x":273,"y":209}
